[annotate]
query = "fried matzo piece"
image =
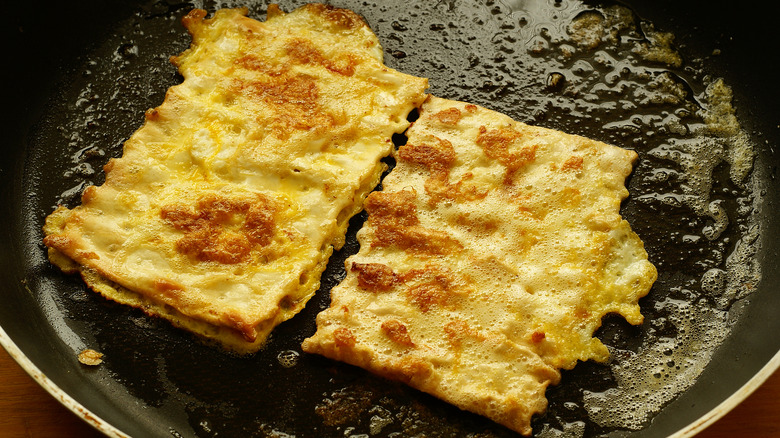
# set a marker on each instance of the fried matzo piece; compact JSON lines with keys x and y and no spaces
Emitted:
{"x":487,"y":263}
{"x":226,"y":204}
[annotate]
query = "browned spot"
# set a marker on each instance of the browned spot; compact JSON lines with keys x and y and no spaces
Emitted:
{"x":397,"y":207}
{"x":222,"y":229}
{"x":293,"y":92}
{"x":450,"y":116}
{"x":219,"y":209}
{"x":415,"y":238}
{"x":295,"y":102}
{"x":247,"y":330}
{"x":397,"y":331}
{"x":458,"y":331}
{"x":341,"y":18}
{"x":432,"y":286}
{"x":58,"y":242}
{"x":193,"y":19}
{"x":89,"y":194}
{"x":88,"y":255}
{"x":574,"y":163}
{"x":304,"y":52}
{"x":410,"y":367}
{"x":213,"y":244}
{"x":428,"y":295}
{"x":582,"y":313}
{"x":395,"y":222}
{"x":260,"y":222}
{"x":165,"y":285}
{"x":109,"y":166}
{"x":496,"y":143}
{"x":179,"y":216}
{"x":459,"y":191}
{"x":343,"y":337}
{"x":438,"y":156}
{"x":374,"y":277}
{"x":273,"y":11}
{"x":537,"y":337}
{"x":260,"y":65}
{"x":471,"y":108}
{"x":152,"y":115}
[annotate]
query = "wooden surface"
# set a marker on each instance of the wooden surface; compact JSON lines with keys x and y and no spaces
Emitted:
{"x":26,"y":410}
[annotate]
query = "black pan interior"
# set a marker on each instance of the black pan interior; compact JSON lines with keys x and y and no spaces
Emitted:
{"x":64,"y":120}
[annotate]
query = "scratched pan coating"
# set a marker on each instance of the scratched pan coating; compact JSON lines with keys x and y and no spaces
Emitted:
{"x":84,"y":73}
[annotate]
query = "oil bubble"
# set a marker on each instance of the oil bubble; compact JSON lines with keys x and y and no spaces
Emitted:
{"x":288,"y":358}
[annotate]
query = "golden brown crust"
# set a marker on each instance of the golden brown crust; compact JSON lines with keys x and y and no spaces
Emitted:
{"x":273,"y":11}
{"x":397,"y":331}
{"x":396,"y":225}
{"x":458,"y":331}
{"x":438,"y":157}
{"x":222,"y":230}
{"x":374,"y":276}
{"x":432,"y":287}
{"x":574,"y":163}
{"x":450,"y":116}
{"x":496,"y":143}
{"x":343,"y":19}
{"x":343,"y":338}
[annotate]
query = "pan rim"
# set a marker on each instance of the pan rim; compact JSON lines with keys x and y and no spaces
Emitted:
{"x":55,"y":391}
{"x":719,"y":411}
{"x":696,"y":426}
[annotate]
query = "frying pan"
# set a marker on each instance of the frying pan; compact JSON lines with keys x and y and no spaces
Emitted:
{"x":81,"y":75}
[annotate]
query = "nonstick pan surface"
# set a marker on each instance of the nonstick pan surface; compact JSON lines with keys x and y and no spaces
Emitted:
{"x":83,"y":73}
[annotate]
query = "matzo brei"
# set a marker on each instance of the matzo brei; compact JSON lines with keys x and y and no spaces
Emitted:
{"x":487,"y":262}
{"x":227,"y":203}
